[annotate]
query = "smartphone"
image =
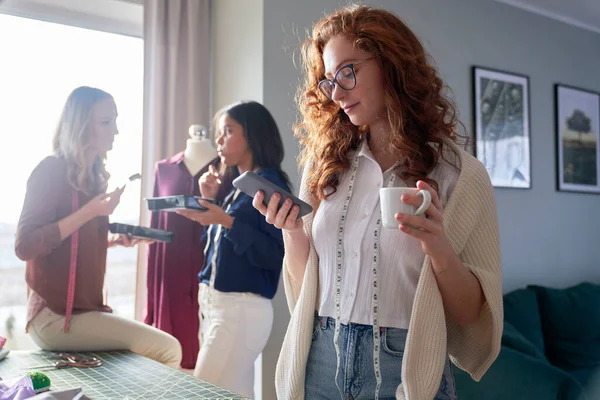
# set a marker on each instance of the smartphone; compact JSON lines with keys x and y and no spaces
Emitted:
{"x":250,"y":183}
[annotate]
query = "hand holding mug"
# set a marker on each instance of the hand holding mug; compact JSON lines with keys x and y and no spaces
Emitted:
{"x":417,"y":212}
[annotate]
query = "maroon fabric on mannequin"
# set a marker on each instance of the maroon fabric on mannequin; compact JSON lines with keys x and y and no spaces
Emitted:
{"x":172,"y":302}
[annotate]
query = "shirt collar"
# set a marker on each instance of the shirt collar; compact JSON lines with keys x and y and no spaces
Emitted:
{"x":365,"y":151}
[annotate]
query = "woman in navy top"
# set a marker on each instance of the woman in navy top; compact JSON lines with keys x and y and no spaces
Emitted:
{"x":244,"y":253}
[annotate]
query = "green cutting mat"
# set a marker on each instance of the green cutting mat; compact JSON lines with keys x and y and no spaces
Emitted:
{"x":123,"y":375}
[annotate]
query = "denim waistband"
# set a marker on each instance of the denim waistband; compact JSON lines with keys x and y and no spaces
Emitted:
{"x":329,"y":323}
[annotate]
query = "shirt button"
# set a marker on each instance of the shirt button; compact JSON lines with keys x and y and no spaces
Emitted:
{"x":365,"y":215}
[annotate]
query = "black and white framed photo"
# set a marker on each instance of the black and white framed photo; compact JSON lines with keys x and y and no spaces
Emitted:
{"x":502,"y":130}
{"x":577,"y":139}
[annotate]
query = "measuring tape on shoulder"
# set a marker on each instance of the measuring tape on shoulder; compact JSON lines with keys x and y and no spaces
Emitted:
{"x":72,"y":266}
{"x":374,"y":266}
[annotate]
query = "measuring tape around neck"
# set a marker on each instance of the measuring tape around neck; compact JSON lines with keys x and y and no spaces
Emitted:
{"x":374,"y":267}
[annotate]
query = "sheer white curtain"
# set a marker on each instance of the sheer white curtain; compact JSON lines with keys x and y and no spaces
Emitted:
{"x":176,"y":91}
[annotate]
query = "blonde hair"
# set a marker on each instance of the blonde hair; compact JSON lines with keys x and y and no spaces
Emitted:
{"x":73,"y":137}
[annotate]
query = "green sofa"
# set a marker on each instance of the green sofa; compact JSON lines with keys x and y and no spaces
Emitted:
{"x":550,"y":348}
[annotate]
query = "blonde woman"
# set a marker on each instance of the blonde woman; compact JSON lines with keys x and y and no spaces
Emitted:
{"x":63,"y":237}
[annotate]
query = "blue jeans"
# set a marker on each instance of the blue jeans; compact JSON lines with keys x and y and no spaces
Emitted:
{"x":356,"y":378}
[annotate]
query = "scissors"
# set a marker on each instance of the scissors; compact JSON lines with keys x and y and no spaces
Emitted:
{"x":71,"y":360}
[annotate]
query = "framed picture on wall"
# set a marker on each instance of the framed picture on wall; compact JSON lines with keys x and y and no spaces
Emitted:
{"x":577,"y":139}
{"x":502,"y":133}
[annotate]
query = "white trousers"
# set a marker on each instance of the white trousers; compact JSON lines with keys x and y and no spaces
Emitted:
{"x":234,"y":330}
{"x":100,"y":331}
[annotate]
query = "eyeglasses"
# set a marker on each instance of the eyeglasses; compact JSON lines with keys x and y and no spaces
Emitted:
{"x":345,"y":77}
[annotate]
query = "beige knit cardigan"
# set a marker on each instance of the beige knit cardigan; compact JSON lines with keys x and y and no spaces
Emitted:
{"x":471,"y":224}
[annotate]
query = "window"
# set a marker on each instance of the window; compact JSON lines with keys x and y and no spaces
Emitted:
{"x":42,"y":63}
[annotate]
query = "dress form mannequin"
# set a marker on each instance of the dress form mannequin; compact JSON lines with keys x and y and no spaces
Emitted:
{"x":199,"y":151}
{"x":172,"y":277}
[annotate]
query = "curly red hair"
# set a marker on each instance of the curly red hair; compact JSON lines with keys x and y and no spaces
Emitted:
{"x":418,"y":111}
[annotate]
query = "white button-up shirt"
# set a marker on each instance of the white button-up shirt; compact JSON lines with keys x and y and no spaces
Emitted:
{"x":400,"y":255}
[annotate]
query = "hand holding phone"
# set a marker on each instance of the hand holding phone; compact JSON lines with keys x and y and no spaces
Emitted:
{"x":281,"y":208}
{"x":284,"y":217}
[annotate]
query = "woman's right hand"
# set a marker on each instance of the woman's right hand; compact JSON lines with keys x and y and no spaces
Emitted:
{"x":209,"y":183}
{"x":104,"y":204}
{"x":282,"y":218}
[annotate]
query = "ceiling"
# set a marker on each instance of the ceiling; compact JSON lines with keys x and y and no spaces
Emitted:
{"x":582,"y":13}
{"x":116,"y":16}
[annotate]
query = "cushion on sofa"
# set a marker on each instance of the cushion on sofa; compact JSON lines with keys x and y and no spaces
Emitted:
{"x":522,"y":312}
{"x":571,"y":325}
{"x":589,"y":379}
{"x":517,"y":376}
{"x":515,"y":340}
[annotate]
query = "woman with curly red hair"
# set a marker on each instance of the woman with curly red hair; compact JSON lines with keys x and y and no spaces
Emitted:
{"x":387,"y":308}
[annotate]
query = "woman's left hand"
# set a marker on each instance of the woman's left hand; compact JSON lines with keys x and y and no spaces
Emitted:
{"x":126,"y":241}
{"x":430,"y":229}
{"x":214,"y":215}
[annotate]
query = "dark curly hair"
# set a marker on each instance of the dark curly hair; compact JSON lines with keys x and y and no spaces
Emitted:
{"x":420,"y":115}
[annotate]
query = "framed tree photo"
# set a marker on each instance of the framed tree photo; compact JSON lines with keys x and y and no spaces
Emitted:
{"x":502,"y":129}
{"x":577,"y":139}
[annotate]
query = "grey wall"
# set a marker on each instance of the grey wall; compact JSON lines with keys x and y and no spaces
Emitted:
{"x":547,"y":237}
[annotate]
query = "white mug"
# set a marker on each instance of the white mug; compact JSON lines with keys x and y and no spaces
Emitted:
{"x":389,"y":198}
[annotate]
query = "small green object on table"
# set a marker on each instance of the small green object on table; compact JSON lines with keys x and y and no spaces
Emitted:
{"x":41,"y":382}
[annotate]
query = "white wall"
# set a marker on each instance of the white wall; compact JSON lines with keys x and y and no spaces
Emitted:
{"x":238,"y":74}
{"x":237,"y":31}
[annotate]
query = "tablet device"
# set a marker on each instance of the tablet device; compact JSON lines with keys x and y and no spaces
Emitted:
{"x":174,"y":203}
{"x":141,"y":232}
{"x":250,"y":183}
